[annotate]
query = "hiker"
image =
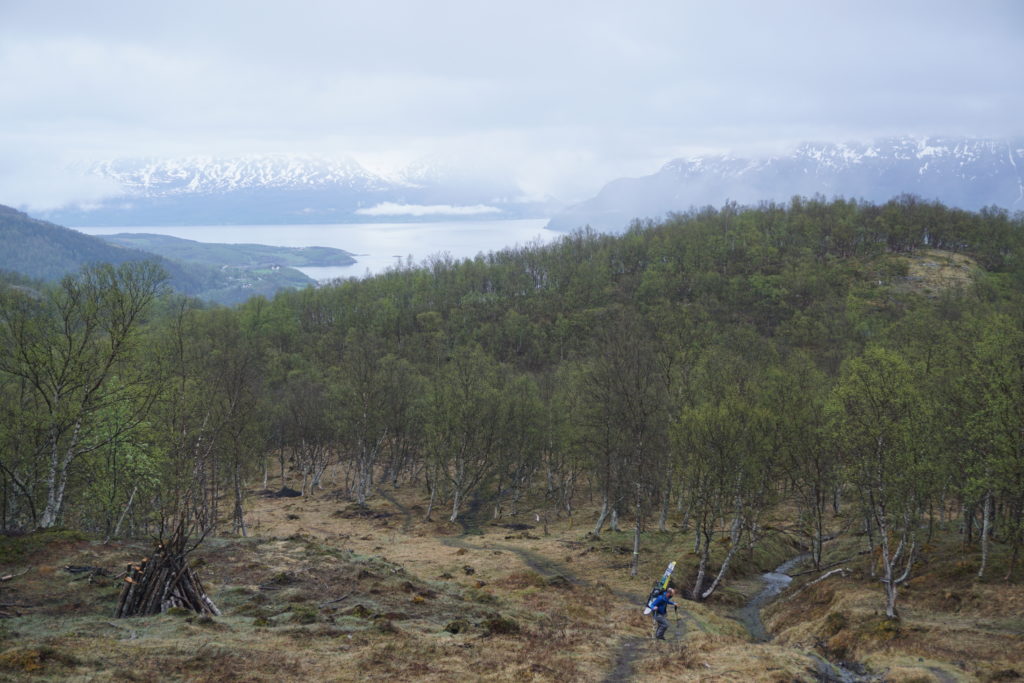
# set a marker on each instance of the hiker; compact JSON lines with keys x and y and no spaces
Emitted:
{"x":658,"y":608}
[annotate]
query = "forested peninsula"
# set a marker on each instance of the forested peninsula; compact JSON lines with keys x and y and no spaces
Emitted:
{"x":727,"y":387}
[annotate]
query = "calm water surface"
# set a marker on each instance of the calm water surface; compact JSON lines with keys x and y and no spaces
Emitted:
{"x":376,"y":246}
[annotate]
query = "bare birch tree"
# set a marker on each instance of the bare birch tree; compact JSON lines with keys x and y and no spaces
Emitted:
{"x":70,"y":348}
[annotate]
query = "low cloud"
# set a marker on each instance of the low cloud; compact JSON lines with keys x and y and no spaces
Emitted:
{"x":393,"y":209}
{"x":41,"y":187}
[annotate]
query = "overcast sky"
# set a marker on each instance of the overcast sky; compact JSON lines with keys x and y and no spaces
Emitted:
{"x":564,"y":95}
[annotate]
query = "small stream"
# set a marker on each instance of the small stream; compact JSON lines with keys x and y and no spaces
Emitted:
{"x":749,"y":615}
{"x":774,"y":583}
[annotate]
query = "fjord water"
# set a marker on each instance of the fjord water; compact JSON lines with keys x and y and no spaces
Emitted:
{"x":376,"y":246}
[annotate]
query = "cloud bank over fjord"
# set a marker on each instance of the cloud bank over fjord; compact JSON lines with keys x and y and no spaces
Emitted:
{"x":420,"y":210}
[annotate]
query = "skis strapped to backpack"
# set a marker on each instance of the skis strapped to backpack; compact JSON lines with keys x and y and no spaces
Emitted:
{"x":659,"y":586}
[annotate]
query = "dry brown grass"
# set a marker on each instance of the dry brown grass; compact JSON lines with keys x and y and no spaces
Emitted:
{"x":931,"y":271}
{"x":709,"y":657}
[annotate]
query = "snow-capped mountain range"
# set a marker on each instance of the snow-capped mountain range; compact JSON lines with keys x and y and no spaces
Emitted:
{"x":282,"y":189}
{"x":968,"y":173}
{"x":210,"y":175}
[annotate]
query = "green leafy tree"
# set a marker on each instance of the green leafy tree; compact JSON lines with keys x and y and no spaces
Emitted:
{"x":996,"y":428}
{"x":881,"y":422}
{"x":464,"y":427}
{"x":795,"y":394}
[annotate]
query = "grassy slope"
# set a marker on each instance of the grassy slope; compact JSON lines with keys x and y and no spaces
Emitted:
{"x":407,"y":580}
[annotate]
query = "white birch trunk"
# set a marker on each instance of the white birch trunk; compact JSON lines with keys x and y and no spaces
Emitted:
{"x":635,"y":566}
{"x":601,"y":516}
{"x":986,"y":523}
{"x":117,"y":527}
{"x":735,"y":535}
{"x":456,"y":502}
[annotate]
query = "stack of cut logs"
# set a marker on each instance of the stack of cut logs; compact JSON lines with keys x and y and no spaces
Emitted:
{"x":163,"y":581}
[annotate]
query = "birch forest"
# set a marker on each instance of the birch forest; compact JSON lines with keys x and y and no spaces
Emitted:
{"x":704,"y":372}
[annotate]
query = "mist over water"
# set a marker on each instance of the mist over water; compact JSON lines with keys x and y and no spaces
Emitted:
{"x":376,"y":246}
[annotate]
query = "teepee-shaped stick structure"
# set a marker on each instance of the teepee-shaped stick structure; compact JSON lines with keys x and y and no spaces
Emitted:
{"x":163,"y":581}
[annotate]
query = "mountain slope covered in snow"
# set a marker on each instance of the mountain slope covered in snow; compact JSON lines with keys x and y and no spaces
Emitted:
{"x":281,"y":189}
{"x":966,"y":173}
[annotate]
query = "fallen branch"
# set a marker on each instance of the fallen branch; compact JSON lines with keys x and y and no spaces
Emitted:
{"x":844,"y":571}
{"x":830,"y":565}
{"x":8,"y":577}
{"x":331,"y":602}
{"x":86,"y":572}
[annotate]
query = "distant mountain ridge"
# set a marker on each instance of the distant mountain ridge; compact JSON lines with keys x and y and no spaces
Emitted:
{"x":282,"y":189}
{"x":962,"y":172}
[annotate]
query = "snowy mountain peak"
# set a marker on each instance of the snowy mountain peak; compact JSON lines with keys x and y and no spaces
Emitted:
{"x":960,"y":155}
{"x":210,"y":175}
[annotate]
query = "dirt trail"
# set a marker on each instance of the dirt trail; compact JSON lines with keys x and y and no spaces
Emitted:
{"x":629,"y":647}
{"x":942,"y":675}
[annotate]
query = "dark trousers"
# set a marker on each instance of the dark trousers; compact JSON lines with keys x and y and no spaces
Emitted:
{"x":661,"y":622}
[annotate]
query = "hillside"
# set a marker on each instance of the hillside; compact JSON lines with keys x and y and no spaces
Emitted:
{"x":219,"y":273}
{"x":46,"y":251}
